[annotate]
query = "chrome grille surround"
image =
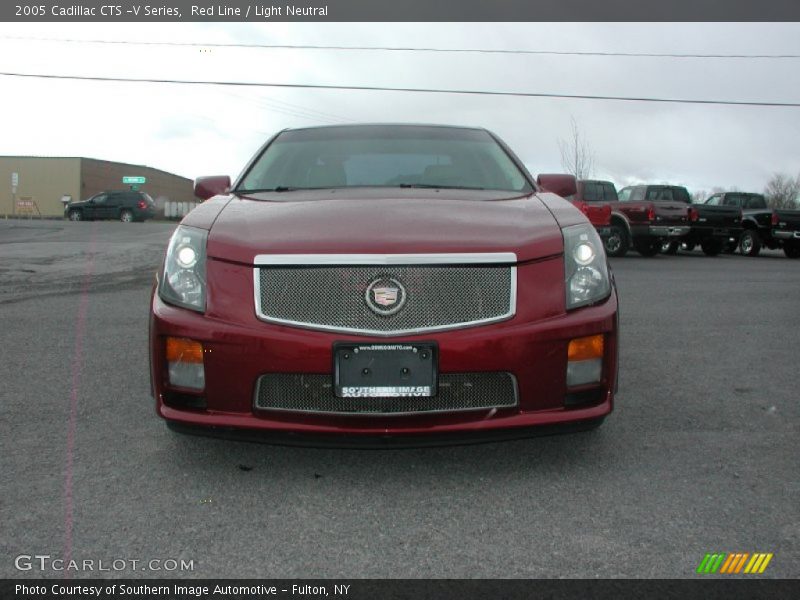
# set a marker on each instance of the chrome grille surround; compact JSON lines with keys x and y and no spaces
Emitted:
{"x":327,"y":291}
{"x":313,"y":393}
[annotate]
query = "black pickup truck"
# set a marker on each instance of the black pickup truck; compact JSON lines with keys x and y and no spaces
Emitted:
{"x":762,"y":226}
{"x":713,"y":227}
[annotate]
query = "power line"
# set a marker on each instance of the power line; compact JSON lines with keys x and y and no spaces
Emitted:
{"x":402,"y":89}
{"x":291,"y":109}
{"x":407,"y":49}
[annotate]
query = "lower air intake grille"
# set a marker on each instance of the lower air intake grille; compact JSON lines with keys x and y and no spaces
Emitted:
{"x":314,"y":393}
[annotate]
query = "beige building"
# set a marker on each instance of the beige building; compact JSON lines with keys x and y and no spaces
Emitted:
{"x":33,"y":185}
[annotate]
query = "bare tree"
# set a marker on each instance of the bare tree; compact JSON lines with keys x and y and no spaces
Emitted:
{"x":782,"y":191}
{"x":699,"y":196}
{"x":577,"y":157}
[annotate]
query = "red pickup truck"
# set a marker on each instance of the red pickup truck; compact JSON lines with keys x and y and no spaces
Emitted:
{"x":642,"y":216}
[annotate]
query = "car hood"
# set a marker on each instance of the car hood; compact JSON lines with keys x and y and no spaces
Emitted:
{"x":406,"y":222}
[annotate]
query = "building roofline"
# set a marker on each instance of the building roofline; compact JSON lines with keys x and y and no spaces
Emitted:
{"x":100,"y":160}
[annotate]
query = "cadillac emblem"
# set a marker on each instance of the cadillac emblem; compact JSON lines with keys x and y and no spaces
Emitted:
{"x":385,"y":296}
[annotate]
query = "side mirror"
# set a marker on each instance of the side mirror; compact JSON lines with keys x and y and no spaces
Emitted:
{"x":206,"y":187}
{"x":558,"y":183}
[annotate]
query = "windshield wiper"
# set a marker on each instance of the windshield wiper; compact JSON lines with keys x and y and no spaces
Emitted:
{"x":279,"y":188}
{"x":439,"y":187}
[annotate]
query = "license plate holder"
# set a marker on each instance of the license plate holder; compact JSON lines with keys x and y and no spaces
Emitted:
{"x":397,"y":370}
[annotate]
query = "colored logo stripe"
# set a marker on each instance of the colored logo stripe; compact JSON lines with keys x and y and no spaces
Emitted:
{"x":710,"y":563}
{"x":734,"y":562}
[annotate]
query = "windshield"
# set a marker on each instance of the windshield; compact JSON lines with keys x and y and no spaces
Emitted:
{"x":384,"y":156}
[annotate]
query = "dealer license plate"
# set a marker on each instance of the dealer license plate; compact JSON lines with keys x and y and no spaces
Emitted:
{"x":384,"y":370}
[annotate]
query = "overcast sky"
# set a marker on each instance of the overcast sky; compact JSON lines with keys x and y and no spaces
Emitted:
{"x":204,"y":130}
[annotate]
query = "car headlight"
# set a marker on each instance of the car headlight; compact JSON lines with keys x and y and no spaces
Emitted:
{"x":586,"y":271}
{"x":183,"y":279}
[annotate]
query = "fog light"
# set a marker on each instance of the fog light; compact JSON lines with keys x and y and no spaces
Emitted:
{"x":585,"y":360}
{"x":584,"y":371}
{"x":185,"y":363}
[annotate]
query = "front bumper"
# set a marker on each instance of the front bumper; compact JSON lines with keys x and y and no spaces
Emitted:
{"x":237,"y":354}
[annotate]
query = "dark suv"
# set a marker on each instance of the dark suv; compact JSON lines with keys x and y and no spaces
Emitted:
{"x":125,"y":206}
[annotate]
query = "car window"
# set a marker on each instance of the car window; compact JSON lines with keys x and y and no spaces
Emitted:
{"x":637,"y":193}
{"x":714,"y":200}
{"x":385,"y":157}
{"x":658,"y":194}
{"x":680,"y":194}
{"x":592,"y":192}
{"x":609,"y":192}
{"x":624,"y":194}
{"x":746,"y":200}
{"x":100,"y":198}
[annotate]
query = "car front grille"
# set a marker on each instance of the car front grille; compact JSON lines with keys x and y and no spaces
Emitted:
{"x":434,"y":297}
{"x":314,"y":393}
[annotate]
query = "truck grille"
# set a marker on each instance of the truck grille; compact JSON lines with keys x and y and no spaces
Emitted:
{"x":314,"y":393}
{"x":431,"y":297}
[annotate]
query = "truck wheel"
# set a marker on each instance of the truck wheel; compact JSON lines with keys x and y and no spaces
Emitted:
{"x":688,"y":246}
{"x":75,"y":215}
{"x":750,"y":243}
{"x":711,"y":247}
{"x":668,"y":247}
{"x":791,"y":250}
{"x":617,"y":243}
{"x":126,"y":216}
{"x":647,"y":247}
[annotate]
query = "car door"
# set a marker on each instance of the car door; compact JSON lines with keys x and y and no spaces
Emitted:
{"x":95,"y":206}
{"x":112,"y":206}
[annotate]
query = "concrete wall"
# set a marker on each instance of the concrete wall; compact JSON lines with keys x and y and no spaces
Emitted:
{"x":42,"y":180}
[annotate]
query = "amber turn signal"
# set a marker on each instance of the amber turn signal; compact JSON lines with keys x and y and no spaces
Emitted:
{"x":184,"y":350}
{"x":586,"y":348}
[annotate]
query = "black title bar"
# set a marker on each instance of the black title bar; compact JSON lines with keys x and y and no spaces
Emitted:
{"x":397,"y":589}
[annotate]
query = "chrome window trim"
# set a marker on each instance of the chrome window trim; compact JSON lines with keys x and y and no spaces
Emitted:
{"x":267,"y":260}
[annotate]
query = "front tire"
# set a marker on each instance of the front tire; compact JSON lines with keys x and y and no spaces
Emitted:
{"x":711,"y":247}
{"x":647,"y":247}
{"x":617,"y":243}
{"x":126,"y":216}
{"x":750,"y":243}
{"x":75,"y":215}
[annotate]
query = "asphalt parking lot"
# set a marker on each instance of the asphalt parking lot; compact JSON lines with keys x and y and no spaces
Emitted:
{"x":700,"y":454}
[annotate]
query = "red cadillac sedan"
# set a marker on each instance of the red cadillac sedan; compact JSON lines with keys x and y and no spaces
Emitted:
{"x":366,"y":284}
